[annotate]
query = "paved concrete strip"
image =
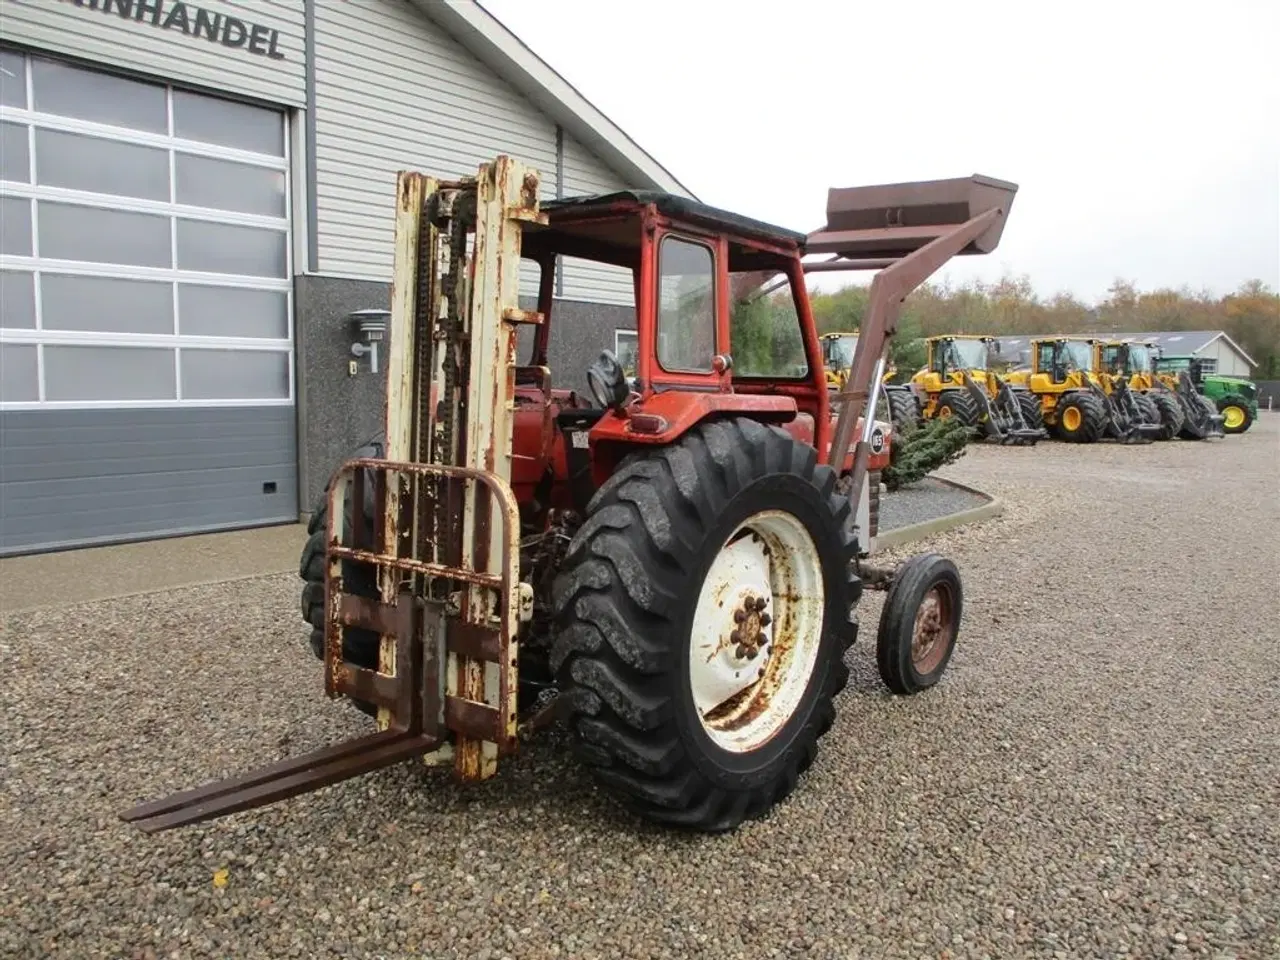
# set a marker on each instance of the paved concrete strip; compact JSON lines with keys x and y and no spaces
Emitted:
{"x":120,"y":570}
{"x":994,"y":507}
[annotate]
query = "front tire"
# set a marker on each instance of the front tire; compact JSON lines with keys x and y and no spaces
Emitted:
{"x":1032,"y":413}
{"x":959,"y":404}
{"x":1171,"y":414}
{"x":919,"y":624}
{"x":1236,"y":417}
{"x":1080,"y":418}
{"x":904,"y":409}
{"x":658,"y":617}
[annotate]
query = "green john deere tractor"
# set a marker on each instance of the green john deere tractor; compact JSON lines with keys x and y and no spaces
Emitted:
{"x":1236,"y":398}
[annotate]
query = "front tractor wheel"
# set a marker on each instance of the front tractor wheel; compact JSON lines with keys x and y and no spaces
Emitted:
{"x":919,"y":624}
{"x":1236,"y":417}
{"x":959,"y":404}
{"x":703,"y":613}
{"x":1081,"y":418}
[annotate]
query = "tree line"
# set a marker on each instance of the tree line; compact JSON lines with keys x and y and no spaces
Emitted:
{"x":1250,"y":315}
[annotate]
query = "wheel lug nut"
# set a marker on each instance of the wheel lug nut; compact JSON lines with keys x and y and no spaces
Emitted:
{"x":739,"y":616}
{"x":735,"y":637}
{"x":741,"y":652}
{"x":753,"y":653}
{"x":765,"y":619}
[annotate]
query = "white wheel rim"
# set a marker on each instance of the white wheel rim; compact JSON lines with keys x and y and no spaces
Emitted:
{"x":748,"y":675}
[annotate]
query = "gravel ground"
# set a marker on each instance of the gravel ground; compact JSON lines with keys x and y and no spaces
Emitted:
{"x":1097,"y":776}
{"x":924,"y":500}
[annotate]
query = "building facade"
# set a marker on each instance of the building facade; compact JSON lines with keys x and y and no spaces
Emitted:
{"x":194,"y":199}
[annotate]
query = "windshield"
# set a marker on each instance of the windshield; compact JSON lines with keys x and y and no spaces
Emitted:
{"x":1139,"y":358}
{"x":838,"y":351}
{"x":1078,"y":354}
{"x":966,"y":355}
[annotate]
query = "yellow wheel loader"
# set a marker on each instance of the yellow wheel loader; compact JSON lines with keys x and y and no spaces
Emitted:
{"x":1074,"y":403}
{"x":1133,"y":362}
{"x":837,"y":358}
{"x":958,"y":382}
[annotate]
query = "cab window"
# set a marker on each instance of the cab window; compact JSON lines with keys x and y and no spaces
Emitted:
{"x":764,"y":327}
{"x":686,"y":306}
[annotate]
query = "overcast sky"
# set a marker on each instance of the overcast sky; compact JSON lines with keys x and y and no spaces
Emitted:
{"x":1144,"y":136}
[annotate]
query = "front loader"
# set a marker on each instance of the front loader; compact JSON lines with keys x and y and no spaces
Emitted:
{"x":670,"y":569}
{"x":958,"y":382}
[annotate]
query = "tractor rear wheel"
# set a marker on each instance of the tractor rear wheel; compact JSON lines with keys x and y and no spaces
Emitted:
{"x":1081,"y":418}
{"x":1171,"y":415}
{"x":359,"y":647}
{"x":1031,"y":411}
{"x":904,"y":409}
{"x":1236,"y":417}
{"x":958,"y":404}
{"x":703,"y":612}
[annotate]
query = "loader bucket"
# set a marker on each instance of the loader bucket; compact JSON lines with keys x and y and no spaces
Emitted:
{"x":889,"y":221}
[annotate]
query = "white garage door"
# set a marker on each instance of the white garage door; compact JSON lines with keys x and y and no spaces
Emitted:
{"x":146,"y":347}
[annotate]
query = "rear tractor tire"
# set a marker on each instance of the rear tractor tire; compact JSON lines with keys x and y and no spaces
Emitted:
{"x":1171,"y":415}
{"x":360,"y":647}
{"x":1236,"y":417}
{"x":703,"y":611}
{"x":1080,"y":418}
{"x":919,"y":624}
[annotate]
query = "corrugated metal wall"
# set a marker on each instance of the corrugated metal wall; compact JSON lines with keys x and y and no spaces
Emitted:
{"x":173,"y":40}
{"x":394,"y":91}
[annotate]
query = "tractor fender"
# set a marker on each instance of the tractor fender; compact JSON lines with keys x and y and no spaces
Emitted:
{"x":663,"y":418}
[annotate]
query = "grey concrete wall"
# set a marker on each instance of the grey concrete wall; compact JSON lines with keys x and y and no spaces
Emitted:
{"x":338,"y":412}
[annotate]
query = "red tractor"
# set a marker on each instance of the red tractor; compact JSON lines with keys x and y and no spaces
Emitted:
{"x":671,"y":567}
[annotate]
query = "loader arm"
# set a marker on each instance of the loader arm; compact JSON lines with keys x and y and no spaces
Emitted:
{"x":907,"y":231}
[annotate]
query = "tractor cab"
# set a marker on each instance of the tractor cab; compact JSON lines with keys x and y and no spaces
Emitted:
{"x":1063,"y":359}
{"x":837,"y":356}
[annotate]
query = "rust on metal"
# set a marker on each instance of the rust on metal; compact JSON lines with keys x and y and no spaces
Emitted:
{"x":475,"y":641}
{"x":933,"y":629}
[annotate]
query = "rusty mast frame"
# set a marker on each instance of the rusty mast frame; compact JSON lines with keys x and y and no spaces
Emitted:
{"x":444,"y":512}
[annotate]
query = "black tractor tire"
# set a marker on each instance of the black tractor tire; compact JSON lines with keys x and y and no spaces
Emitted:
{"x":1197,"y":425}
{"x":1092,"y":418}
{"x":625,"y":602}
{"x":905,"y":668}
{"x":960,"y":405}
{"x":1171,"y":414}
{"x":1032,"y":412}
{"x":1233,"y":400}
{"x":1150,"y":412}
{"x":360,"y":647}
{"x":904,"y":409}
